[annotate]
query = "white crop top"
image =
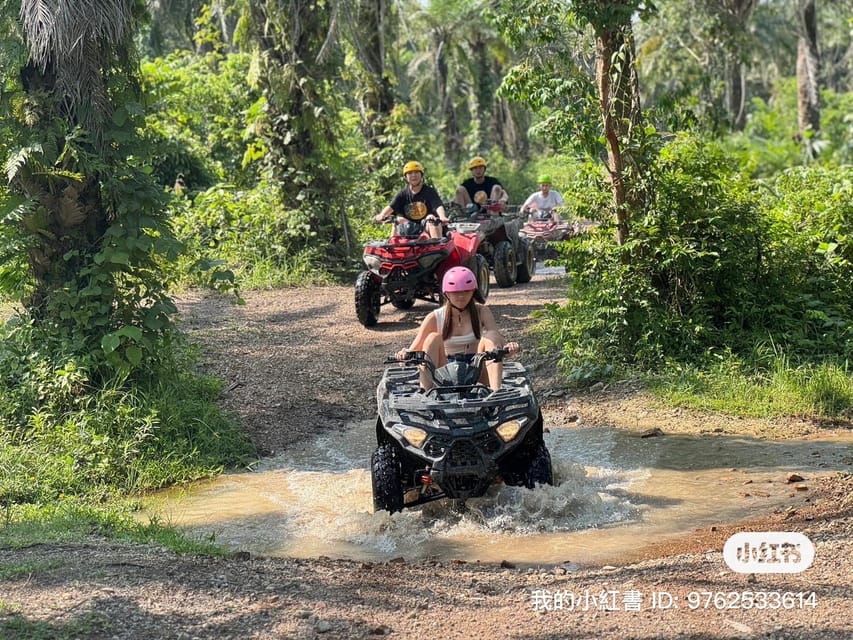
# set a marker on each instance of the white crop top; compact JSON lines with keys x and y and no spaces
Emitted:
{"x":453,"y":341}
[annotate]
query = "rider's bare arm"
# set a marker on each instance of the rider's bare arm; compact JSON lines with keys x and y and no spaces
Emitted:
{"x":491,"y":331}
{"x":428,"y":326}
{"x":384,"y":214}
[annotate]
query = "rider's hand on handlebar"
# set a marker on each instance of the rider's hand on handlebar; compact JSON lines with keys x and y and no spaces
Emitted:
{"x":512,"y":347}
{"x":402,"y":354}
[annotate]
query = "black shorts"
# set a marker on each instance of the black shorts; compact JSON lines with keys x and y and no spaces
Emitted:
{"x":461,"y":357}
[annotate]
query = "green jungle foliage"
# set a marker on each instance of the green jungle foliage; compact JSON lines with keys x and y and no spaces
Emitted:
{"x":97,"y":395}
{"x":66,"y":430}
{"x":247,"y":230}
{"x":718,"y":263}
{"x":769,"y":142}
{"x":201,"y":117}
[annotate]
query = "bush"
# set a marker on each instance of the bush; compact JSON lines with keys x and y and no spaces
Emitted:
{"x":61,"y":433}
{"x":715,"y":264}
{"x":200,"y":114}
{"x":680,"y":282}
{"x":809,"y":262}
{"x":250,"y":231}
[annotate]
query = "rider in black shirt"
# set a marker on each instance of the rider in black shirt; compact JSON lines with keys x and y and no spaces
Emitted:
{"x":418,"y":203}
{"x":479,"y":187}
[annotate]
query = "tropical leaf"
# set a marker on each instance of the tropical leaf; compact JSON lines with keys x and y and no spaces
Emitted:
{"x":39,"y":21}
{"x":36,"y":220}
{"x":12,"y":207}
{"x":71,"y":213}
{"x":19,"y":159}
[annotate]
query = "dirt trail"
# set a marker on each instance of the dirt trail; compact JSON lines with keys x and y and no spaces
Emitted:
{"x":295,"y":363}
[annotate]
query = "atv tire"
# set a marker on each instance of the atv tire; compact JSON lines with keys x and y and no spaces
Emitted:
{"x":386,"y":478}
{"x":505,"y":266}
{"x":480,"y":266}
{"x":528,"y":265}
{"x":539,"y":470}
{"x":367,"y":299}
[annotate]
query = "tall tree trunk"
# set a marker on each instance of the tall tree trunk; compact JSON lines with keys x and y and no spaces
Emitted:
{"x":227,"y":22}
{"x":510,"y":123}
{"x":736,"y":15}
{"x":620,"y":109}
{"x":487,"y":101}
{"x":297,"y":57}
{"x":452,"y":136}
{"x":735,"y":94}
{"x":808,"y":62}
{"x":368,"y":40}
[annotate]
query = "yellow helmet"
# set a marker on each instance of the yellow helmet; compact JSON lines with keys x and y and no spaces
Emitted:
{"x":412,"y":165}
{"x":477,"y":161}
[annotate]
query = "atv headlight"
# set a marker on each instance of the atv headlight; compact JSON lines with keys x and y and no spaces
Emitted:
{"x":414,"y":436}
{"x":508,"y":430}
{"x":430,"y":260}
{"x":374,"y":263}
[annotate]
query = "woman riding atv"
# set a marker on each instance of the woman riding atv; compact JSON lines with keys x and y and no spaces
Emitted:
{"x":459,"y":330}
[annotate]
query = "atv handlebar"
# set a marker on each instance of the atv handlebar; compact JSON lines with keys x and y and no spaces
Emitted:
{"x":418,"y":358}
{"x":393,"y":218}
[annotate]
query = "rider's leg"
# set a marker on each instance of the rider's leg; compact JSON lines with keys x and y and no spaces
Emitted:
{"x":433,"y":229}
{"x":497,"y":193}
{"x":462,"y":198}
{"x":434,"y":349}
{"x":494,"y":371}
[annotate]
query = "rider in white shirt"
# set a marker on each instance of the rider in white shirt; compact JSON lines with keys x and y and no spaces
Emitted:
{"x":546,"y":199}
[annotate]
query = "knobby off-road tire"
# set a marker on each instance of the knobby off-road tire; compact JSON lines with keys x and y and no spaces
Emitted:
{"x":505,"y":266}
{"x":527,"y":267}
{"x":385,"y":475}
{"x":480,"y":266}
{"x":367,"y":299}
{"x":539,"y":470}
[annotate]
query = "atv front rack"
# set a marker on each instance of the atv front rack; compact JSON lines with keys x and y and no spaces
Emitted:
{"x":403,"y":392}
{"x":415,"y":242}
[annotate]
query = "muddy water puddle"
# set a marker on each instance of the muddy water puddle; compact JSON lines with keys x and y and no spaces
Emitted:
{"x":614,"y":493}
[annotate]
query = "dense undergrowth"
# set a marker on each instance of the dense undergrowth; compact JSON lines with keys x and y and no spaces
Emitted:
{"x":733,"y":293}
{"x":76,"y":438}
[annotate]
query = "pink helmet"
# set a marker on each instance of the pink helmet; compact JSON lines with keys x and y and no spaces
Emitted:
{"x":459,"y":279}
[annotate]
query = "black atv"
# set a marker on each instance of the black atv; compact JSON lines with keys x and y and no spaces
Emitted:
{"x":458,"y":438}
{"x":510,"y":255}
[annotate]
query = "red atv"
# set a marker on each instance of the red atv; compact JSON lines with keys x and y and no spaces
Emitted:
{"x":541,"y":229}
{"x":409,"y":266}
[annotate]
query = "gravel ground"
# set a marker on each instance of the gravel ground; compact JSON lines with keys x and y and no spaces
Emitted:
{"x":295,"y":363}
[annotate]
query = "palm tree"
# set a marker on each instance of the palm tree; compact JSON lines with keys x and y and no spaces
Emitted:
{"x":369,"y":27}
{"x":808,"y":62}
{"x":297,"y":51}
{"x":87,"y":214}
{"x":456,"y":74}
